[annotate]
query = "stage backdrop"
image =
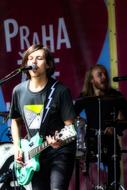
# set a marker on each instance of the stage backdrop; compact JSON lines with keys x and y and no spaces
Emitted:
{"x":76,"y":31}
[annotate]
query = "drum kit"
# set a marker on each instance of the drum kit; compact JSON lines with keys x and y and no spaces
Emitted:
{"x":90,"y":145}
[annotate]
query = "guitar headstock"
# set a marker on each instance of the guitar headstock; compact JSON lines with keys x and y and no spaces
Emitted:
{"x":67,"y":134}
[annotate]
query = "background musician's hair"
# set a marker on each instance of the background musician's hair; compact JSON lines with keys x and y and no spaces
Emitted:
{"x":87,"y":89}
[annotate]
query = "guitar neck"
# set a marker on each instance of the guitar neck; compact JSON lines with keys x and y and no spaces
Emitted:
{"x":45,"y":145}
{"x":66,"y":135}
{"x":38,"y":149}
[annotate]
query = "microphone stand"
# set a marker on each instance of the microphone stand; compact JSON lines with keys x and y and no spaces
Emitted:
{"x":2,"y":81}
{"x":99,"y":187}
{"x":115,"y":184}
{"x":11,"y":75}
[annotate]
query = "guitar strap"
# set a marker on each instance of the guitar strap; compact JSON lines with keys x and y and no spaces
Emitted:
{"x":49,"y":97}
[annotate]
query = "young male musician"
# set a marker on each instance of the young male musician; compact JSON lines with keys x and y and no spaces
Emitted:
{"x":45,"y":106}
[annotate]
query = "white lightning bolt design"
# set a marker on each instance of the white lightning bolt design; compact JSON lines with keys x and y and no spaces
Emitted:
{"x":49,"y":101}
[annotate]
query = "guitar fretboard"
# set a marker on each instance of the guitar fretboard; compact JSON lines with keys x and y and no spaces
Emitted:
{"x":66,"y":135}
{"x":38,"y":149}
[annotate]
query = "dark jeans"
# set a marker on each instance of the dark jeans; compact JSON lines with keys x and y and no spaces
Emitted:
{"x":55,"y":172}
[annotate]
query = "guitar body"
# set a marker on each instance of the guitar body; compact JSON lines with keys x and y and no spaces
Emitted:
{"x":31,"y":150}
{"x":25,"y":173}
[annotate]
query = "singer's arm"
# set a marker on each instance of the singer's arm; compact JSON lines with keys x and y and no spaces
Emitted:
{"x":16,"y":131}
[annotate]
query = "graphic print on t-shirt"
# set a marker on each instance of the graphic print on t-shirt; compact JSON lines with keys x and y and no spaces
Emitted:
{"x":33,"y":115}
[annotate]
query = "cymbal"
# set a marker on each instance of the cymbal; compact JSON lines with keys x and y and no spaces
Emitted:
{"x":108,"y":102}
{"x":120,"y":125}
{"x":93,"y":99}
{"x":105,"y":97}
{"x":110,"y":98}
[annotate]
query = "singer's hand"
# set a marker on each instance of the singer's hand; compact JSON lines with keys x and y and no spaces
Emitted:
{"x":18,"y":156}
{"x":54,"y":141}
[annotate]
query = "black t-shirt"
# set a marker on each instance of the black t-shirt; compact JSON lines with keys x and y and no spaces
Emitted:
{"x":55,"y":103}
{"x":103,"y":109}
{"x":101,"y":112}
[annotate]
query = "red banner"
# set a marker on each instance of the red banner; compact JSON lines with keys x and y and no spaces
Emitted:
{"x":74,"y":30}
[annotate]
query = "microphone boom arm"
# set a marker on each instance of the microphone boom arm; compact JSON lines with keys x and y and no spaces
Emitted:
{"x":11,"y":75}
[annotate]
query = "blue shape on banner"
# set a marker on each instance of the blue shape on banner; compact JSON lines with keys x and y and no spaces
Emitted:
{"x":4,"y":130}
{"x":104,"y":57}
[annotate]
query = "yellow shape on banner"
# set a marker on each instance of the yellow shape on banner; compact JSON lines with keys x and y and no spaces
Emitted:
{"x":112,"y":40}
{"x":113,"y":52}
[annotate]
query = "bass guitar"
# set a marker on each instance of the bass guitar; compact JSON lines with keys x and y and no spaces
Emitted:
{"x":31,"y":150}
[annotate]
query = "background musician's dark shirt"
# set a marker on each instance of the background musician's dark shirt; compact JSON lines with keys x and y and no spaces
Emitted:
{"x":103,"y":108}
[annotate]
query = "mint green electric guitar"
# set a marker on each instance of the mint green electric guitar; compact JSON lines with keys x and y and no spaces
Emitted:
{"x":31,"y":150}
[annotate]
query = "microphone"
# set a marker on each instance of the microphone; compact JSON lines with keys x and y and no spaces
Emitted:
{"x":117,"y":79}
{"x":27,"y":68}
